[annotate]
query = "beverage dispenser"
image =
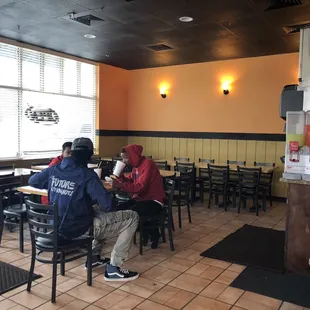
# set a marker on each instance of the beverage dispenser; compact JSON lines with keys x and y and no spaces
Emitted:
{"x":295,"y":142}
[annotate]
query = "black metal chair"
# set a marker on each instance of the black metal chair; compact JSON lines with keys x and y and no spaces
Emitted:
{"x":149,"y":157}
{"x":183,"y":193}
{"x":162,"y":165}
{"x":184,"y":167}
{"x":162,"y":220}
{"x":12,"y":207}
{"x":218,"y":183}
{"x":202,"y":181}
{"x":181,"y":159}
{"x":266,"y":179}
{"x":236,"y":162}
{"x":44,"y":238}
{"x":249,"y":180}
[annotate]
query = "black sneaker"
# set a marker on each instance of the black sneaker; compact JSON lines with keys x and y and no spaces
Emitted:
{"x":113,"y":273}
{"x":97,"y":261}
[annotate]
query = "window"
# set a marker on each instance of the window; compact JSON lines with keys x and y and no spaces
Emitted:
{"x":45,"y":101}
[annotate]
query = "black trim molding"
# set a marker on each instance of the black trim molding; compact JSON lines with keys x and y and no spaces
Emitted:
{"x":192,"y":135}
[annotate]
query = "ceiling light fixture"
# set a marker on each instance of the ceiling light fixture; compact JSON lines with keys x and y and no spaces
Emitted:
{"x":186,"y":19}
{"x":89,"y":36}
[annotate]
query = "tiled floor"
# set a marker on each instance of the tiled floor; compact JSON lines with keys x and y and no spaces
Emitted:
{"x":169,"y":280}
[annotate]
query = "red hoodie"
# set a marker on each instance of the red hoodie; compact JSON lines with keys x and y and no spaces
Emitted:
{"x":55,"y":161}
{"x":145,"y":181}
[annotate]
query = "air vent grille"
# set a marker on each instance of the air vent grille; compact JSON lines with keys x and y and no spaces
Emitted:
{"x":282,"y":4}
{"x":295,"y":28}
{"x":159,"y":47}
{"x":85,"y":19}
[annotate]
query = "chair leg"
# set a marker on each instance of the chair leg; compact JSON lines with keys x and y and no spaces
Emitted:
{"x":240,"y":202}
{"x":141,"y":237}
{"x":270,"y":197}
{"x":179,"y":215}
{"x":210,"y":199}
{"x":162,"y":230}
{"x":89,"y":263}
{"x":201,"y":192}
{"x":21,"y":234}
{"x":1,"y":223}
{"x":189,"y":212}
{"x":234,"y":197}
{"x":135,"y":238}
{"x":62,"y":263}
{"x":256,"y":205}
{"x":54,"y":278}
{"x":170,"y":238}
{"x":216,"y":199}
{"x":32,"y":264}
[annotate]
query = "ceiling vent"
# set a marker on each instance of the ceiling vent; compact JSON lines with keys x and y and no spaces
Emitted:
{"x":282,"y":4}
{"x":295,"y":28}
{"x":159,"y":47}
{"x":87,"y":20}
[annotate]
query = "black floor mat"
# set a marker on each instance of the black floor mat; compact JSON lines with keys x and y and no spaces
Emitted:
{"x":287,"y":287}
{"x":251,"y":246}
{"x":12,"y":277}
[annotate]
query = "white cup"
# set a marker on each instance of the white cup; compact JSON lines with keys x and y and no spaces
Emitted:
{"x":119,"y":167}
{"x":99,"y":172}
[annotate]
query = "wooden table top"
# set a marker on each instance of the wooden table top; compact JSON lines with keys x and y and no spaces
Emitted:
{"x":42,"y":167}
{"x":18,"y":171}
{"x":30,"y":190}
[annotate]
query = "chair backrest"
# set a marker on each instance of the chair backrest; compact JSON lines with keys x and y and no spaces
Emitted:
{"x":7,"y":167}
{"x":185,"y":181}
{"x":204,"y":173}
{"x":218,"y":175}
{"x":41,"y":223}
{"x":206,"y":161}
{"x":169,"y":189}
{"x":162,"y":165}
{"x":96,"y":159}
{"x":8,"y":185}
{"x":261,"y":164}
{"x":249,"y":178}
{"x":236,"y":162}
{"x":184,"y":167}
{"x":180,"y":158}
{"x":149,"y":156}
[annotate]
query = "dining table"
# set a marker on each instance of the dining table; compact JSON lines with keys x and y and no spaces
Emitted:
{"x":42,"y":167}
{"x":18,"y":172}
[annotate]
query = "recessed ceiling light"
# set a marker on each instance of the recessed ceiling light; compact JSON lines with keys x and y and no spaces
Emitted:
{"x":89,"y":36}
{"x":186,"y":19}
{"x":107,"y":55}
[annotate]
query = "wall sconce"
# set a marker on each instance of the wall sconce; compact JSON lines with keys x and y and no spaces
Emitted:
{"x":225,"y":88}
{"x":163,"y":91}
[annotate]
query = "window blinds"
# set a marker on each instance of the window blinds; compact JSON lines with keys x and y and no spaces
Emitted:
{"x":45,"y":100}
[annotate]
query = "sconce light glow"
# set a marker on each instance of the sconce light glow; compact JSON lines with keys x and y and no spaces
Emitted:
{"x":226,"y":84}
{"x":225,"y":87}
{"x":163,"y":89}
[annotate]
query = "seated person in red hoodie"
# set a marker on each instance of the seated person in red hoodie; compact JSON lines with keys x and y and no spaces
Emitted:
{"x":146,"y":185}
{"x":66,"y":152}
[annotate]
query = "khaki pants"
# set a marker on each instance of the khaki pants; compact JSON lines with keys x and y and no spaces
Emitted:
{"x":121,"y":224}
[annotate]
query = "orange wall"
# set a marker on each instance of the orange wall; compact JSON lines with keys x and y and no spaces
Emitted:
{"x":113,"y":98}
{"x":195,"y":101}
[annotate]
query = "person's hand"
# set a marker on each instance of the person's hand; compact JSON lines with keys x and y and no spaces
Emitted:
{"x":116,"y":184}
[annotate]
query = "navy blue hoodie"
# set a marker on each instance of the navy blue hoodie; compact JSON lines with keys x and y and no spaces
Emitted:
{"x":74,"y":189}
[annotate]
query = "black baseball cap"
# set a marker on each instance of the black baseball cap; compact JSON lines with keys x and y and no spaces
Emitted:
{"x":80,"y":144}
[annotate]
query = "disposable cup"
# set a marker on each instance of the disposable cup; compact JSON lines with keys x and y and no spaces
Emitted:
{"x":119,"y":167}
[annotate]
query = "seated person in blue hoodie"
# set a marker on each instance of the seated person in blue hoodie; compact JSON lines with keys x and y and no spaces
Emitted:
{"x":74,"y":188}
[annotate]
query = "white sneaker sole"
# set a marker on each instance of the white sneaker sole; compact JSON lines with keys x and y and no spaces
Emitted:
{"x":121,"y":279}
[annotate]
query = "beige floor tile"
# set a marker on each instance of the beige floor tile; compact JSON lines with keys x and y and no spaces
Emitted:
{"x":236,"y":308}
{"x":177,"y":264}
{"x":75,"y":305}
{"x":213,"y":290}
{"x":161,"y":274}
{"x":150,"y":305}
{"x":61,"y":301}
{"x":252,"y":305}
{"x":92,"y":293}
{"x":190,"y":283}
{"x":268,"y":301}
{"x":130,"y":302}
{"x":204,"y":303}
{"x":211,"y":273}
{"x":69,"y":284}
{"x":7,"y":304}
{"x":142,"y":287}
{"x":179,"y":300}
{"x":111,"y":299}
{"x":28,"y":300}
{"x":289,"y":306}
{"x":236,"y":268}
{"x":92,"y":307}
{"x":215,"y":263}
{"x":224,"y":280}
{"x":230,"y":274}
{"x":43,"y":291}
{"x":200,"y":246}
{"x":16,"y":290}
{"x":230,"y":295}
{"x":197,"y":269}
{"x":19,"y":307}
{"x":165,"y":294}
{"x":190,"y":255}
{"x":10,"y":256}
